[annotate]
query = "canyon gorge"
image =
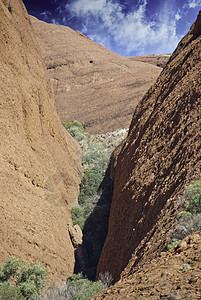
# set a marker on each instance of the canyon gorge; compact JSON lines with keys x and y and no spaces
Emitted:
{"x":51,"y":74}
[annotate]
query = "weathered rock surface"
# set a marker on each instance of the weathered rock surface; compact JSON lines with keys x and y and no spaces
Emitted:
{"x":174,"y":274}
{"x":40,"y":168}
{"x":75,"y":234}
{"x":154,"y":59}
{"x":93,"y":85}
{"x":161,"y":154}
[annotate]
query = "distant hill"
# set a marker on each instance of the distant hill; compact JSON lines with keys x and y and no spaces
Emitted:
{"x":93,"y":85}
{"x":156,"y":60}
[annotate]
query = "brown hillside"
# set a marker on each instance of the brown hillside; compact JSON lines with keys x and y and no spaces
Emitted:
{"x":39,"y":163}
{"x":159,"y":157}
{"x":156,"y":60}
{"x":93,"y":85}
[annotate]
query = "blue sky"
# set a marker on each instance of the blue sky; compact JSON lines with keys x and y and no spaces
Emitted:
{"x":129,"y":28}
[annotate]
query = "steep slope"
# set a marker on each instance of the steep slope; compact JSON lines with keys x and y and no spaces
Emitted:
{"x":40,"y":168}
{"x":174,"y":274}
{"x":159,"y":157}
{"x":93,"y":85}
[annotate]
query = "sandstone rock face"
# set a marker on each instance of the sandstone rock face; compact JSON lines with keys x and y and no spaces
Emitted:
{"x":93,"y":85}
{"x":40,"y":169}
{"x":173,"y":275}
{"x":158,"y":158}
{"x":75,"y":235}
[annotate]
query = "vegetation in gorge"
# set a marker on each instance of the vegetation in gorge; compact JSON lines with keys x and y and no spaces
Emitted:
{"x":77,"y":287}
{"x":96,"y":152}
{"x":95,"y":190}
{"x":83,"y":288}
{"x":189,"y":215}
{"x":21,"y":281}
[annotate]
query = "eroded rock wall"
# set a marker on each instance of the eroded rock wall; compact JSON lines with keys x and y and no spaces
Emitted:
{"x":172,"y":275}
{"x":40,"y":168}
{"x":159,"y":157}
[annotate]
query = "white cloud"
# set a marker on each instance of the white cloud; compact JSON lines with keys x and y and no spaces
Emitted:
{"x":194,"y":3}
{"x":54,"y":21}
{"x":105,"y":21}
{"x":177,"y":16}
{"x":45,"y":14}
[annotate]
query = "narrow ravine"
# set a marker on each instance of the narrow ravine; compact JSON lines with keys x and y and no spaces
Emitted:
{"x":92,"y":214}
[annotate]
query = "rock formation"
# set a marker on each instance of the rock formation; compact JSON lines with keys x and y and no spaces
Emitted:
{"x":158,"y":158}
{"x":173,"y":275}
{"x":93,"y":85}
{"x":40,"y":166}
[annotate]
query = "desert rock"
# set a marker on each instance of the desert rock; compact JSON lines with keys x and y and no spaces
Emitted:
{"x":40,"y":167}
{"x":169,"y":276}
{"x":93,"y":85}
{"x":158,"y":158}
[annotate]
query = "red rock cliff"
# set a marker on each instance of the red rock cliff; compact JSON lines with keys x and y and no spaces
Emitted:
{"x":159,"y":157}
{"x":39,"y":163}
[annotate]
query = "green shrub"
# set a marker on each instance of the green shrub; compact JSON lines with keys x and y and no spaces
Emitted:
{"x":78,"y":216}
{"x":89,"y":185}
{"x":32,"y":274}
{"x":83,"y":288}
{"x":184,"y":214}
{"x":26,"y":279}
{"x":173,"y":243}
{"x":75,"y":277}
{"x":190,"y":216}
{"x":97,"y":153}
{"x":28,"y":289}
{"x":187,"y":225}
{"x":193,"y":197}
{"x":75,"y":129}
{"x":75,"y":288}
{"x":10,"y":270}
{"x":10,"y":292}
{"x":185,"y":267}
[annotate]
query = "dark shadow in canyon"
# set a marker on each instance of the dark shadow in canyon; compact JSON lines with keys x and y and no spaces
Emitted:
{"x":95,"y":231}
